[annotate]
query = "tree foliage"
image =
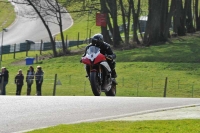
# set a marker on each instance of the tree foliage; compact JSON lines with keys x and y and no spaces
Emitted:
{"x":49,"y":11}
{"x":165,"y":17}
{"x":180,"y":15}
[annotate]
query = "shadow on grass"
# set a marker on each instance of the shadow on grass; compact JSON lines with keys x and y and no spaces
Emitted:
{"x":169,"y":53}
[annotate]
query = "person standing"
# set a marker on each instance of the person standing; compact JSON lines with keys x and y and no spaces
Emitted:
{"x":39,"y":80}
{"x":4,"y":75}
{"x":19,"y":81}
{"x":29,"y":79}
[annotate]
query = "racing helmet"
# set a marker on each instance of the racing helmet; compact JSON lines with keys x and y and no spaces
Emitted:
{"x":97,"y":39}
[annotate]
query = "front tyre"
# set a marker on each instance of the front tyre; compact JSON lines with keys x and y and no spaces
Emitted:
{"x":96,"y":87}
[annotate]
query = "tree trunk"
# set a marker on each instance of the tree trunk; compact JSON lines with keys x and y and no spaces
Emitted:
{"x":104,"y":30}
{"x":108,"y":38}
{"x":126,"y":25}
{"x":47,"y":27}
{"x":189,"y":20}
{"x":61,"y":28}
{"x":179,"y":19}
{"x":113,"y":11}
{"x":164,"y":27}
{"x":197,"y":15}
{"x":169,"y":18}
{"x":129,"y":24}
{"x":135,"y":20}
{"x":152,"y":33}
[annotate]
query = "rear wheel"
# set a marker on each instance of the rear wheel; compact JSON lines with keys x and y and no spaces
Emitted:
{"x":96,"y":87}
{"x":112,"y":91}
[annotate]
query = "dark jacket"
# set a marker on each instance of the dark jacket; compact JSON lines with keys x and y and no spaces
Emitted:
{"x":29,"y":78}
{"x":19,"y":79}
{"x":39,"y":75}
{"x":5,"y":75}
{"x":105,"y":49}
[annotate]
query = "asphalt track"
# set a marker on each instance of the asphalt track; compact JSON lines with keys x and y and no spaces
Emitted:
{"x":31,"y":28}
{"x":23,"y":113}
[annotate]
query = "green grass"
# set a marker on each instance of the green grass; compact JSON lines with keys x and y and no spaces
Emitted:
{"x":141,"y":72}
{"x":82,"y":27}
{"x":160,"y":126}
{"x":7,"y":14}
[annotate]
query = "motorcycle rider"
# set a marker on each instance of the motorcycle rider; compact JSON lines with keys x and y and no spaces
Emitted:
{"x":105,"y":49}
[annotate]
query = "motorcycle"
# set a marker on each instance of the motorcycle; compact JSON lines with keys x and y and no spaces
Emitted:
{"x":99,"y":72}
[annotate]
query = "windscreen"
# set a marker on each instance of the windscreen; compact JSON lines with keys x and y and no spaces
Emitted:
{"x":92,"y":49}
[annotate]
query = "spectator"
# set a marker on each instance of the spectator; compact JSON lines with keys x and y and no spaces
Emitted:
{"x":19,"y":81}
{"x":29,"y":79}
{"x":39,"y":80}
{"x":4,"y":75}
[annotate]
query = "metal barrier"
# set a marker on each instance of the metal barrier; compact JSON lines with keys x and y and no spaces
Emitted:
{"x":43,"y":46}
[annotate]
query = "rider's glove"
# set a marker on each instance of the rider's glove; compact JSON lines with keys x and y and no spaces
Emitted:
{"x":110,"y":57}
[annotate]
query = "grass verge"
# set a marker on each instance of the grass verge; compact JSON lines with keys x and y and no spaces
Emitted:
{"x":7,"y":14}
{"x":160,"y":126}
{"x":141,"y":72}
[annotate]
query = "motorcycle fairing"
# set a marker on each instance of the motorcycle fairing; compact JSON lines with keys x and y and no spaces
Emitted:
{"x":93,"y":56}
{"x":105,"y":64}
{"x":85,"y":60}
{"x":99,"y":58}
{"x":92,"y":52}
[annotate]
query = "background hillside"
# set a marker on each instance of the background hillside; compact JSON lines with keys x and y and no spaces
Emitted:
{"x":141,"y":71}
{"x":7,"y":14}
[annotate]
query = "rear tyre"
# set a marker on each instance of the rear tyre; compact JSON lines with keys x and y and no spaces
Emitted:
{"x":96,"y":87}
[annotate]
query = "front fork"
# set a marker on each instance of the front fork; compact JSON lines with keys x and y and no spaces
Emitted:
{"x":100,"y":74}
{"x":99,"y":71}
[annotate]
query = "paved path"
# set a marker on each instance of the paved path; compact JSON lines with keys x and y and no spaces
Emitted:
{"x":192,"y":112}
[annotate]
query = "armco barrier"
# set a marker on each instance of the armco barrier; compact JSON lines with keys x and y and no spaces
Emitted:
{"x":6,"y":49}
{"x":75,"y":43}
{"x":21,"y":47}
{"x":24,"y":47}
{"x":47,"y":46}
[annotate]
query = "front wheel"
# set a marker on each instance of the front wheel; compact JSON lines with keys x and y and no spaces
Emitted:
{"x":96,"y":87}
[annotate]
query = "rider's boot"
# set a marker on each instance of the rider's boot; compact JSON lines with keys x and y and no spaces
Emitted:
{"x":114,"y":75}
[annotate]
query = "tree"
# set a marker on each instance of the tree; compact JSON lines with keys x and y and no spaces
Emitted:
{"x":152,"y":32}
{"x":188,"y":13}
{"x":179,"y":19}
{"x":104,"y":30}
{"x":135,"y":20}
{"x":168,"y":18}
{"x":46,"y":10}
{"x":112,"y":5}
{"x":36,"y":6}
{"x":109,"y":7}
{"x":56,"y":11}
{"x":197,"y":15}
{"x":164,"y":20}
{"x":126,"y":17}
{"x":159,"y":20}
